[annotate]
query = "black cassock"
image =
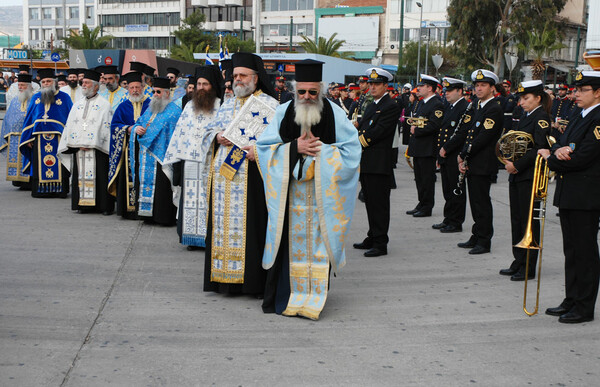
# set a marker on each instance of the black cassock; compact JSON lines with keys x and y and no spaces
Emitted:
{"x":104,"y":201}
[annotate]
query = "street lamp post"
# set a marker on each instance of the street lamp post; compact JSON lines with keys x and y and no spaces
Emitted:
{"x":419,"y":49}
{"x":169,"y":30}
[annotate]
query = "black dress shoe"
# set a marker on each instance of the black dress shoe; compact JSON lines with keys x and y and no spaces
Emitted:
{"x":510,"y":271}
{"x":451,"y":228}
{"x":478,"y":250}
{"x":421,"y":214}
{"x":361,"y":196}
{"x":521,"y":276}
{"x":558,"y":311}
{"x":413,"y":211}
{"x":194,"y":248}
{"x":364,"y":245}
{"x":107,"y":213}
{"x":438,"y":226}
{"x":573,"y":318}
{"x":375,"y":252}
{"x":467,"y":245}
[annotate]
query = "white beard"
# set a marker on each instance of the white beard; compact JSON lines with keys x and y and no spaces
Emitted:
{"x":242,"y":91}
{"x":87,"y":93}
{"x":158,"y":105}
{"x":137,"y":98}
{"x":25,"y":95}
{"x":102,"y":88}
{"x":307,"y":113}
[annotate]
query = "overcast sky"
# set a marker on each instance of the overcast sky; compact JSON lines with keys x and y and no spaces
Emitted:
{"x":11,"y":2}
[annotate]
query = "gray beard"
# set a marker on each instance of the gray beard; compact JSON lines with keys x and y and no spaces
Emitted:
{"x":242,"y":91}
{"x":158,"y":105}
{"x":136,"y":99}
{"x":88,"y":93}
{"x":25,"y":95}
{"x":102,"y":88}
{"x":48,"y":95}
{"x":112,"y":86}
{"x":307,"y":113}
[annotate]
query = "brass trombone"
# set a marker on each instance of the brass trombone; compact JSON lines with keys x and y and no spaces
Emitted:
{"x":419,"y":122}
{"x":539,"y":192}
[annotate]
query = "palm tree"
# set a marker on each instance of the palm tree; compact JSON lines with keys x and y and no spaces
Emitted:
{"x":541,"y":44}
{"x":325,"y":47}
{"x":87,"y":39}
{"x":186,"y":53}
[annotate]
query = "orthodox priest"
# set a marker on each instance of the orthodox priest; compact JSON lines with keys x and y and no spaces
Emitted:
{"x":237,"y":219}
{"x":309,"y":157}
{"x":151,"y":134}
{"x":188,"y":158}
{"x":120,"y":179}
{"x":113,"y":93}
{"x":86,"y":137}
{"x":13,"y":90}
{"x":12,"y":125}
{"x":72,"y":88}
{"x":43,"y":126}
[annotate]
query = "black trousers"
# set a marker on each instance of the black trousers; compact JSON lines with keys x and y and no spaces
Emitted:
{"x":425,"y":179}
{"x":481,"y":209}
{"x":519,"y":194}
{"x":376,"y":189}
{"x":456,"y":205}
{"x":582,"y":263}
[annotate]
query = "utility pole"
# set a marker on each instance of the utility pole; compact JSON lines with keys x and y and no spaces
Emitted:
{"x":401,"y":34}
{"x":291,"y":31}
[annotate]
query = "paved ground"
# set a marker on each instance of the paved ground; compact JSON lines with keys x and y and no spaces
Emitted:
{"x":89,"y":300}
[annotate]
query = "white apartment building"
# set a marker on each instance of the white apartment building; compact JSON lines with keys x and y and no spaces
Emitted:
{"x":47,"y":22}
{"x":225,"y":17}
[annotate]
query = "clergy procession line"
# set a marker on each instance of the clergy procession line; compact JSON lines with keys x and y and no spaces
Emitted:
{"x":265,"y":180}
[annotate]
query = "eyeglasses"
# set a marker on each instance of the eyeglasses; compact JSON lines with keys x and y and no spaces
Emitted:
{"x":311,"y":92}
{"x":228,"y":88}
{"x":157,"y":91}
{"x":582,"y":90}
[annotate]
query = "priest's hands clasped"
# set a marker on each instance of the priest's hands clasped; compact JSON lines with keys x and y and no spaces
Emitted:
{"x":308,"y":144}
{"x":222,"y":140}
{"x":140,"y":130}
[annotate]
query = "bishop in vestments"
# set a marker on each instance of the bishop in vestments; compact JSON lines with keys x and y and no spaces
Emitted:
{"x":86,"y":137}
{"x":113,"y":93}
{"x":151,"y":134}
{"x":12,"y":125}
{"x":309,"y":157}
{"x":43,"y":126}
{"x":120,"y":177}
{"x":188,"y":158}
{"x":237,"y":213}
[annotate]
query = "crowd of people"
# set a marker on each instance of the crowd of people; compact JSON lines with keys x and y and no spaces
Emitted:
{"x":264,"y":179}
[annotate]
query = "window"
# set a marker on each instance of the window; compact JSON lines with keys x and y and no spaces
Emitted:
{"x":34,"y":34}
{"x":34,"y":14}
{"x":428,"y":6}
{"x":394,"y":34}
{"x":152,"y":19}
{"x":47,"y":33}
{"x":284,"y":29}
{"x":60,"y":13}
{"x":89,"y":12}
{"x":73,"y":12}
{"x":287,"y":5}
{"x":47,"y":13}
{"x":60,"y":34}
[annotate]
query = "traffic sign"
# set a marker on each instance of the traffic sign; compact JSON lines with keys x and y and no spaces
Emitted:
{"x":108,"y":61}
{"x":280,"y":68}
{"x":55,"y":57}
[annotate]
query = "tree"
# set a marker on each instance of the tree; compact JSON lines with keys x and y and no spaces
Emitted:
{"x":454,"y":65}
{"x":186,"y":53}
{"x":541,"y":43}
{"x":192,"y":33}
{"x":486,"y":27}
{"x":87,"y":39}
{"x":235,"y":44}
{"x":328,"y":47}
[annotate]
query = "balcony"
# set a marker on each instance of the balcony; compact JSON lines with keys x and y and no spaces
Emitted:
{"x":224,"y":26}
{"x":247,"y":25}
{"x":209,"y":26}
{"x":234,"y":3}
{"x":200,"y":3}
{"x":216,"y":3}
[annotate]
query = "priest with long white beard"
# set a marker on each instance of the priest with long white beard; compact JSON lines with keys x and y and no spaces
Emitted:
{"x":12,"y":125}
{"x":86,"y":137}
{"x":113,"y":92}
{"x":13,"y":90}
{"x":72,"y":88}
{"x":151,"y":134}
{"x":120,"y":178}
{"x":237,"y":213}
{"x":309,"y":157}
{"x":188,"y":158}
{"x":43,"y":126}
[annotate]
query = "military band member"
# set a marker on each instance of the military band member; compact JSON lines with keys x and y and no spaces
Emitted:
{"x":358,"y":108}
{"x":345,"y":98}
{"x":422,"y":146}
{"x":536,"y":122}
{"x":281,"y":93}
{"x":479,"y":148}
{"x":560,"y":110}
{"x":576,"y":160}
{"x":455,"y":206}
{"x":376,"y":134}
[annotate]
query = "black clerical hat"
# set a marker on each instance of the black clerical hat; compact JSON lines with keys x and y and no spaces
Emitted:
{"x":24,"y":68}
{"x":133,"y":76}
{"x":173,"y":70}
{"x":161,"y":82}
{"x":148,"y":70}
{"x":25,"y":78}
{"x":46,"y":73}
{"x":254,"y":62}
{"x":61,"y":78}
{"x":309,"y":70}
{"x":111,"y":70}
{"x":137,"y":66}
{"x":211,"y":74}
{"x":72,"y":71}
{"x":91,"y":74}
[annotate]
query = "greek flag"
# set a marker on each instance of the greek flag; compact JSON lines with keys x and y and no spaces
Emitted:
{"x":208,"y":61}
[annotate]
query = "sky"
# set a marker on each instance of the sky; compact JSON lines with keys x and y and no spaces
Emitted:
{"x":11,"y":2}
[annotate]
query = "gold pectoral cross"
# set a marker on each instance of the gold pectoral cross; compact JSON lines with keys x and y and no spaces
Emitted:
{"x":46,"y":108}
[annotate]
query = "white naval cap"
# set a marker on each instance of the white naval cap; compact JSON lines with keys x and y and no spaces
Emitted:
{"x":377,"y":74}
{"x":588,"y":78}
{"x":428,"y":79}
{"x":407,"y":86}
{"x":530,"y":87}
{"x":453,"y":83}
{"x":483,"y":75}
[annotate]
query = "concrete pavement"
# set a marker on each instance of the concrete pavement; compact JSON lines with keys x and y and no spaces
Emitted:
{"x":89,"y":300}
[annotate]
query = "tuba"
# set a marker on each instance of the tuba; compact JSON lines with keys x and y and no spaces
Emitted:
{"x":513,"y":145}
{"x":419,"y":122}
